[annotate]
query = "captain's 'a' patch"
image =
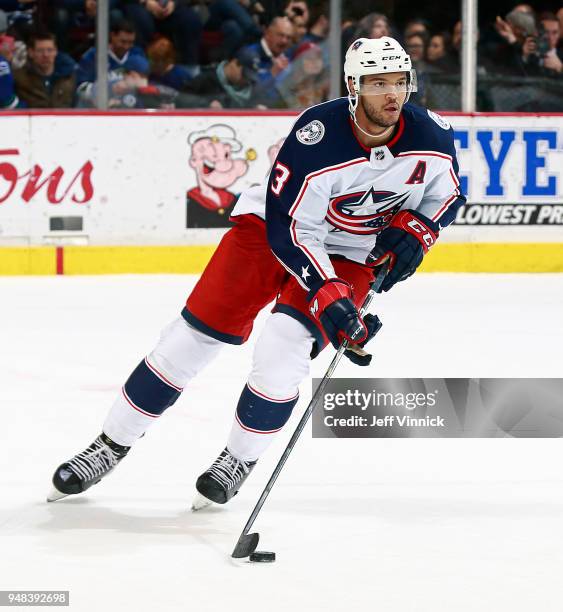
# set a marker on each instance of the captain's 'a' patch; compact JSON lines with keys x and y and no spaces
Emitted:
{"x":311,"y":133}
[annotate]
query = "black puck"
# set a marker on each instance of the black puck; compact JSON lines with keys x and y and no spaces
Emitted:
{"x":262,"y":556}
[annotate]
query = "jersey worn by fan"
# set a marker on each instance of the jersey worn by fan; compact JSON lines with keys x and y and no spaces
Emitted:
{"x":328,"y":194}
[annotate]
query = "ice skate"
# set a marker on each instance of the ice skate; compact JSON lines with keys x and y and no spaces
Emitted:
{"x":87,"y":468}
{"x":222,"y":481}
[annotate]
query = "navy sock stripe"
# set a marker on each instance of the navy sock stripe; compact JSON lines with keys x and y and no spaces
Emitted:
{"x":162,"y":377}
{"x":128,"y":400}
{"x":148,"y":392}
{"x":258,"y":414}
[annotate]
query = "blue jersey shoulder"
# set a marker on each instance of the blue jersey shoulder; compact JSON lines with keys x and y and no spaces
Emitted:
{"x":322,"y":137}
{"x":424,"y":130}
{"x":7,"y":91}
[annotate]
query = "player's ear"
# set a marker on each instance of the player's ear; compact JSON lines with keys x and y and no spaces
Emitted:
{"x":351,"y":87}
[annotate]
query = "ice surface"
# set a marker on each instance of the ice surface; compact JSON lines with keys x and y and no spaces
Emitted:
{"x":388,"y":525}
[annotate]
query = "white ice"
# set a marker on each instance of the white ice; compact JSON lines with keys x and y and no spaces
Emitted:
{"x":388,"y":525}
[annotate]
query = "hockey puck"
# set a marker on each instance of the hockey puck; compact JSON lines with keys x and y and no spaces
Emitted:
{"x":262,"y":556}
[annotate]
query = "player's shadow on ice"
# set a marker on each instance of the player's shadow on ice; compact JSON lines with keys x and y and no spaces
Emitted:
{"x":80,"y":525}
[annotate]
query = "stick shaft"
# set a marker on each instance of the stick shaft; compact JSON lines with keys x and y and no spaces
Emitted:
{"x":376,"y":285}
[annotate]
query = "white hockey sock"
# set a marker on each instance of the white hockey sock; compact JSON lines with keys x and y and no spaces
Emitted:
{"x":181,"y":353}
{"x":280,"y":363}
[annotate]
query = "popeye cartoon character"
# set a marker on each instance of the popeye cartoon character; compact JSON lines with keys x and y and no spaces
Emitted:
{"x":210,"y":203}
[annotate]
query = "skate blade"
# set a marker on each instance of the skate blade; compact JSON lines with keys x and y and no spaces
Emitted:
{"x":200,"y":502}
{"x":55,"y":495}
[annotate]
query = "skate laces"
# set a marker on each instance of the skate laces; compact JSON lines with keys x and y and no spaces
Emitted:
{"x":228,"y":470}
{"x":96,"y":460}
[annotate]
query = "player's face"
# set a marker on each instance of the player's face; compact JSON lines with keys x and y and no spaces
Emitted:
{"x":382,"y":97}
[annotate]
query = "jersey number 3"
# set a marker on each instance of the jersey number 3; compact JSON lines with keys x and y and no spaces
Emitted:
{"x":282,"y":174}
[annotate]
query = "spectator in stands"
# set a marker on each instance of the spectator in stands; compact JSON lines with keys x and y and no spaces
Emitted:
{"x":319,"y":23}
{"x":305,"y":82}
{"x":74,"y":23}
{"x":20,"y":15}
{"x":48,"y":79}
{"x":228,"y":85}
{"x":518,"y":24}
{"x":548,"y":43}
{"x":374,"y":25}
{"x":121,"y":48}
{"x":8,"y":96}
{"x":438,"y":54}
{"x":175,"y":19}
{"x":486,"y":63}
{"x":163,"y":67}
{"x":297,"y":12}
{"x":529,"y":50}
{"x":18,"y":51}
{"x":234,"y":19}
{"x":130,"y":88}
{"x":268,"y":55}
{"x":416,"y":26}
{"x":416,"y":48}
{"x":517,"y":54}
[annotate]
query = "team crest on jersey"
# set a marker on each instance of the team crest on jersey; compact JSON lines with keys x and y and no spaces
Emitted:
{"x":443,"y":123}
{"x":311,"y":133}
{"x":364,"y":212}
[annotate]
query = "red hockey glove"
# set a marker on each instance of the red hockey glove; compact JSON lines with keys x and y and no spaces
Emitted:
{"x":332,"y":305}
{"x":404,"y":242}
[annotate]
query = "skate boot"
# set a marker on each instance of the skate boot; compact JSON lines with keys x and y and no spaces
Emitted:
{"x":222,"y":481}
{"x":87,"y":468}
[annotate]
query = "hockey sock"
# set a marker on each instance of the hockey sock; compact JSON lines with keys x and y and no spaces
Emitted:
{"x":143,"y":398}
{"x":258,"y":418}
{"x":156,"y":383}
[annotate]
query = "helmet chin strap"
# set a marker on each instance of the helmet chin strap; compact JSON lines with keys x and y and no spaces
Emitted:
{"x":353,"y":107}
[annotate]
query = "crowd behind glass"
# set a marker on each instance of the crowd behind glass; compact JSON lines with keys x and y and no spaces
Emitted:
{"x":257,"y":54}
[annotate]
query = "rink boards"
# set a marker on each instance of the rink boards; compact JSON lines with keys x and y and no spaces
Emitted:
{"x":96,"y":193}
{"x":446,"y":257}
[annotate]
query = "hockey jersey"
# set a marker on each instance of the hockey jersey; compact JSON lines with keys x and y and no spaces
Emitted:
{"x":328,"y":194}
{"x":8,"y":98}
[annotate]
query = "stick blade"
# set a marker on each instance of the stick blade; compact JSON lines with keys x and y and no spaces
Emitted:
{"x":246,"y":545}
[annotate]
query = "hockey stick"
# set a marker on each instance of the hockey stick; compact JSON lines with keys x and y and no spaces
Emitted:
{"x":247,"y":543}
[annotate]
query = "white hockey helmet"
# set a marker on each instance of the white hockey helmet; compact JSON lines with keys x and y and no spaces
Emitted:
{"x":376,"y":56}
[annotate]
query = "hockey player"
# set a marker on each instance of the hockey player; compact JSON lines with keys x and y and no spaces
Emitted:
{"x":359,"y":181}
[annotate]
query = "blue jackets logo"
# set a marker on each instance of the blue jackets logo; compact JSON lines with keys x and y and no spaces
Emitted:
{"x":364,"y":212}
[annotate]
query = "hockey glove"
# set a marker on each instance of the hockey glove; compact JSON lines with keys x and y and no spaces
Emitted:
{"x":355,"y":352}
{"x":404,"y":243}
{"x":333,"y":307}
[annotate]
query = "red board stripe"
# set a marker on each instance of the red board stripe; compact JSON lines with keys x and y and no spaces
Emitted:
{"x":60,"y":260}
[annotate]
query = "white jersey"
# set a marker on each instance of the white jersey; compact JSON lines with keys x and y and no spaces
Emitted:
{"x":328,"y":194}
